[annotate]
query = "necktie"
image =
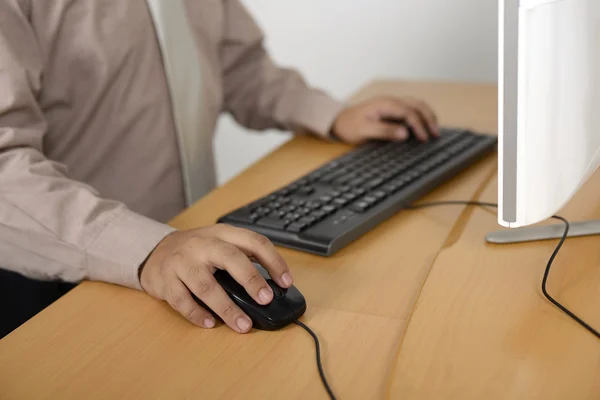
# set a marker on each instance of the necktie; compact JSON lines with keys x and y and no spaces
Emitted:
{"x":183,"y":69}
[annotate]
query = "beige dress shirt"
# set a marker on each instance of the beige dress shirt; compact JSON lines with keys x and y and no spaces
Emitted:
{"x":89,"y":160}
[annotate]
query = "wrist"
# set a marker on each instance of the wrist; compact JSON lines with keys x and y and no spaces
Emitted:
{"x":121,"y":247}
{"x":155,"y":256}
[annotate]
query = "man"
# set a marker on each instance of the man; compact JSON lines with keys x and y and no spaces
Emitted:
{"x":94,"y":160}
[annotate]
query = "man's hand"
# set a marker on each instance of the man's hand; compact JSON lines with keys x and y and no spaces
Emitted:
{"x":185,"y":261}
{"x":366,"y":121}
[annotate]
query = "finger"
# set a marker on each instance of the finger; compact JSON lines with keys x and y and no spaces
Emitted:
{"x":228,"y":257}
{"x":204,"y":285}
{"x":428,"y":115}
{"x":389,"y":131}
{"x":180,"y":299}
{"x":392,"y":121}
{"x":418,"y":127}
{"x":261,"y":248}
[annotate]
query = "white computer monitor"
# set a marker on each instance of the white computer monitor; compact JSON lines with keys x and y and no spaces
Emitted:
{"x":549,"y":105}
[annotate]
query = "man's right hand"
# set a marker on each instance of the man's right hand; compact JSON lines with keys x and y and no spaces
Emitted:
{"x":185,"y":261}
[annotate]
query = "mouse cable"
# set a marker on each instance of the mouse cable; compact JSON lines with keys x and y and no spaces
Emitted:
{"x":544,"y":280}
{"x":319,"y":363}
{"x":548,"y":266}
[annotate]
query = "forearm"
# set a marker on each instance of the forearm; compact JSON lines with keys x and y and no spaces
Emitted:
{"x":52,"y":227}
{"x":261,"y":95}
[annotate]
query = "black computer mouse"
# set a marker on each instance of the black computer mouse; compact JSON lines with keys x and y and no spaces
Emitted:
{"x":287,"y":304}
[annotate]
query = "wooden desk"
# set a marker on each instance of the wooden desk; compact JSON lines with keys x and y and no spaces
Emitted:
{"x":420,"y":308}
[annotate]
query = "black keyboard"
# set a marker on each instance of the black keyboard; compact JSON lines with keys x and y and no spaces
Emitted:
{"x":337,"y":203}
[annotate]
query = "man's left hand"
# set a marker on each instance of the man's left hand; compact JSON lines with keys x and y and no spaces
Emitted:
{"x":372,"y":120}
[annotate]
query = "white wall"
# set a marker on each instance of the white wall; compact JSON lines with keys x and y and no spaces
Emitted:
{"x":362,"y":40}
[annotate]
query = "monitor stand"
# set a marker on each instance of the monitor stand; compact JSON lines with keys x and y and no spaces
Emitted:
{"x":534,"y":233}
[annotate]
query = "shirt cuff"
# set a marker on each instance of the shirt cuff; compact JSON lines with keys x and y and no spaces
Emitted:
{"x":316,"y":112}
{"x":118,"y":252}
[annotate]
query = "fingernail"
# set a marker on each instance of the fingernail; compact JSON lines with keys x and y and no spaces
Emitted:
{"x":209,"y":323}
{"x":265,"y":295}
{"x":243,"y":323}
{"x":287,"y":279}
{"x":401,"y":134}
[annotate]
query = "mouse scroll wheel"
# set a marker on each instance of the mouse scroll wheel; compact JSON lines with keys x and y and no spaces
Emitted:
{"x":277,"y":291}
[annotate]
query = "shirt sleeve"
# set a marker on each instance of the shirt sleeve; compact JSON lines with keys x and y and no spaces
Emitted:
{"x":53,"y":227}
{"x":261,"y":95}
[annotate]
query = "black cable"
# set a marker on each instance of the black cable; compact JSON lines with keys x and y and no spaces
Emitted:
{"x":548,"y":266}
{"x":547,"y":272}
{"x":319,"y":364}
{"x":544,"y":281}
{"x":451,"y":203}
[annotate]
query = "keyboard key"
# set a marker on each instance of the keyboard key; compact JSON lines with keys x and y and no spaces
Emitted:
{"x":315,"y":176}
{"x":344,"y":189}
{"x":306,"y":190}
{"x":274,"y":205}
{"x":345,"y":178}
{"x":340,"y":201}
{"x":390,"y":188}
{"x":370,"y":199}
{"x":388,"y":175}
{"x":298,"y":202}
{"x":423,"y":168}
{"x":288,"y":208}
{"x":346,"y":214}
{"x":350,"y":196}
{"x":318,"y":214}
{"x":263,"y":211}
{"x":256,"y":204}
{"x":327,"y":212}
{"x":277,"y":214}
{"x":442,"y":158}
{"x":313,"y":205}
{"x":403,"y":181}
{"x":360,"y":206}
{"x":325,"y":199}
{"x":292,"y":216}
{"x":329,"y":209}
{"x":335,"y":193}
{"x":371,"y":173}
{"x":379,"y":194}
{"x":455,"y":148}
{"x":302,"y":211}
{"x":244,"y":216}
{"x":374,"y":183}
{"x":284,"y":200}
{"x":359,"y":191}
{"x":358,"y":181}
{"x":308,"y":220}
{"x":401,"y":166}
{"x":333,"y":176}
{"x":272,"y":223}
{"x":296,"y":227}
{"x":328,"y":178}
